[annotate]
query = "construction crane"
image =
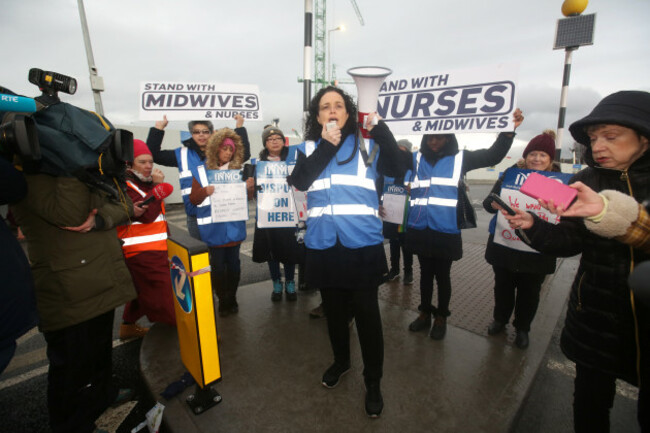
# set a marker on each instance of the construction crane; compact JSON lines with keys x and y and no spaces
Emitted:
{"x":320,"y":34}
{"x":357,"y":11}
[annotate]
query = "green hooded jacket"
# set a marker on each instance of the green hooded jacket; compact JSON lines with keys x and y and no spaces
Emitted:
{"x":78,"y":275}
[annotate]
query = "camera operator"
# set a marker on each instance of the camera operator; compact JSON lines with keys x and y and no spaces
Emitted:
{"x":80,"y":277}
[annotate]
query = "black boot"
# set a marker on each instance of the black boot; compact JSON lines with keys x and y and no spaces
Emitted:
{"x":232,"y":283}
{"x":374,"y":400}
{"x":219,"y":287}
{"x":302,"y":284}
{"x":421,"y":323}
{"x":521,"y":339}
{"x":439,"y":328}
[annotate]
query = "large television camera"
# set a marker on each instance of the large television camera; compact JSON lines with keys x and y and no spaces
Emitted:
{"x":46,"y":135}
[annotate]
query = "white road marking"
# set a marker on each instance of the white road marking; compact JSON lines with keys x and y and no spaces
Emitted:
{"x":568,"y":368}
{"x":37,"y":371}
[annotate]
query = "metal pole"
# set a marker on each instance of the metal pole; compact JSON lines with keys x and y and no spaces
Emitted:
{"x":329,"y":56}
{"x":307,"y":56}
{"x":563,"y":99}
{"x":96,"y":82}
{"x":328,"y":72}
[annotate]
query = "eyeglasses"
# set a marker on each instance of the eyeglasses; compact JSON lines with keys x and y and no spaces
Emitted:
{"x":202,"y":131}
{"x":274,"y":139}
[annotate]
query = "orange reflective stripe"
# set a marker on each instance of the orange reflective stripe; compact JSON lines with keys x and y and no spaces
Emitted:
{"x":139,"y":237}
{"x":135,"y":188}
{"x":141,"y":248}
{"x":133,"y":230}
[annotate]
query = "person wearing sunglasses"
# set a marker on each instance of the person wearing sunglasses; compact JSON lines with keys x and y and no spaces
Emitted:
{"x":189,"y":156}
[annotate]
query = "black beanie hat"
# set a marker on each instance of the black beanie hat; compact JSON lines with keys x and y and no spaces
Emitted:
{"x":630,"y":108}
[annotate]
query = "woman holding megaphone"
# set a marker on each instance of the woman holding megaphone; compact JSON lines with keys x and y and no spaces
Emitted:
{"x":345,"y":254}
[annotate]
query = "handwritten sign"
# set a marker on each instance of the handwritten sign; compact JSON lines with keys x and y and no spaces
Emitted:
{"x":276,"y":206}
{"x":469,"y":100}
{"x":510,"y":193}
{"x":194,"y":101}
{"x":394,"y":203}
{"x":229,"y":200}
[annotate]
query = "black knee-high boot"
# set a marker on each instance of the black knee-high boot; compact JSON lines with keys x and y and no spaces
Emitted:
{"x":232,"y":283}
{"x":219,"y":286}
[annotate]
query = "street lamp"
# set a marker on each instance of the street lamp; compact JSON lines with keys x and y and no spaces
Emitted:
{"x":96,"y":82}
{"x":329,"y":55}
{"x":572,"y":32}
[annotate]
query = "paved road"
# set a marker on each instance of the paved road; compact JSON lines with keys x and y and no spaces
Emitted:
{"x":547,"y":408}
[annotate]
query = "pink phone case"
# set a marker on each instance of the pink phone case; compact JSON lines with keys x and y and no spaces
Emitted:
{"x":538,"y":186}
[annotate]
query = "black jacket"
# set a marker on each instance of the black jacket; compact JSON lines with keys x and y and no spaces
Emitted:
{"x":17,"y":299}
{"x":432,"y":243}
{"x":389,"y":161}
{"x":600,"y":330}
{"x":511,"y":259}
{"x":168,"y":157}
{"x":278,"y":244}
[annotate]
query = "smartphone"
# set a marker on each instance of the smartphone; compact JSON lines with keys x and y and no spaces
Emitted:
{"x":538,"y":186}
{"x":148,"y":200}
{"x":502,"y":203}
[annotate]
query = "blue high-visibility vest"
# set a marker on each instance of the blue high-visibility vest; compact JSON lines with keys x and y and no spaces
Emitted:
{"x":434,"y":194}
{"x":187,"y":161}
{"x":216,"y":234}
{"x":342,"y":203}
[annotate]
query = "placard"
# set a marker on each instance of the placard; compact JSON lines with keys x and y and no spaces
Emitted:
{"x":394,"y":203}
{"x":275,"y":202}
{"x":444,"y":102}
{"x":229,"y":200}
{"x":512,"y":181}
{"x":198,"y":100}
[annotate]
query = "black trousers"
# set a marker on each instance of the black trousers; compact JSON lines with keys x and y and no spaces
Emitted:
{"x":440,"y":269}
{"x":593,"y":398}
{"x":516,"y":291}
{"x":79,"y":378}
{"x":363,"y":305}
{"x":395,"y":245}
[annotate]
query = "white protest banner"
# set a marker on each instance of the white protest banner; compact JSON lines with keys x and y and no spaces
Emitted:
{"x":512,"y":181}
{"x":394,"y":203}
{"x":195,"y":101}
{"x":229,"y":200}
{"x":275,"y":203}
{"x":468,"y":100}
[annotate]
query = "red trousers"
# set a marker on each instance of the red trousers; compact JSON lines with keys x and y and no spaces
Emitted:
{"x":152,"y":281}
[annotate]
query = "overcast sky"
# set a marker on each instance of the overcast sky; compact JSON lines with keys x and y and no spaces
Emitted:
{"x":261,"y":42}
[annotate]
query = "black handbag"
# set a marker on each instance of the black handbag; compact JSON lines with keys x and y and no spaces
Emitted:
{"x":465,"y":213}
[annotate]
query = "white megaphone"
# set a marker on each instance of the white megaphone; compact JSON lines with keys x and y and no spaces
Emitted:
{"x":368,"y":80}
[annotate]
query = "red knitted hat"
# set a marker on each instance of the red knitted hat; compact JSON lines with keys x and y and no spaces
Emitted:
{"x":140,"y":148}
{"x":543,"y":142}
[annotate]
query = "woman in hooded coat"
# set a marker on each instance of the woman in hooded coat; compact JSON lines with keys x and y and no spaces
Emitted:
{"x":224,"y":151}
{"x":432,"y":229}
{"x":607,"y":328}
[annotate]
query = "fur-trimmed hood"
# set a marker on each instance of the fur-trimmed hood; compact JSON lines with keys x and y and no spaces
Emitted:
{"x":212,"y":149}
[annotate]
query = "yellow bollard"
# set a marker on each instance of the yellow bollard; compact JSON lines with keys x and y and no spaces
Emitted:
{"x":195,"y":315}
